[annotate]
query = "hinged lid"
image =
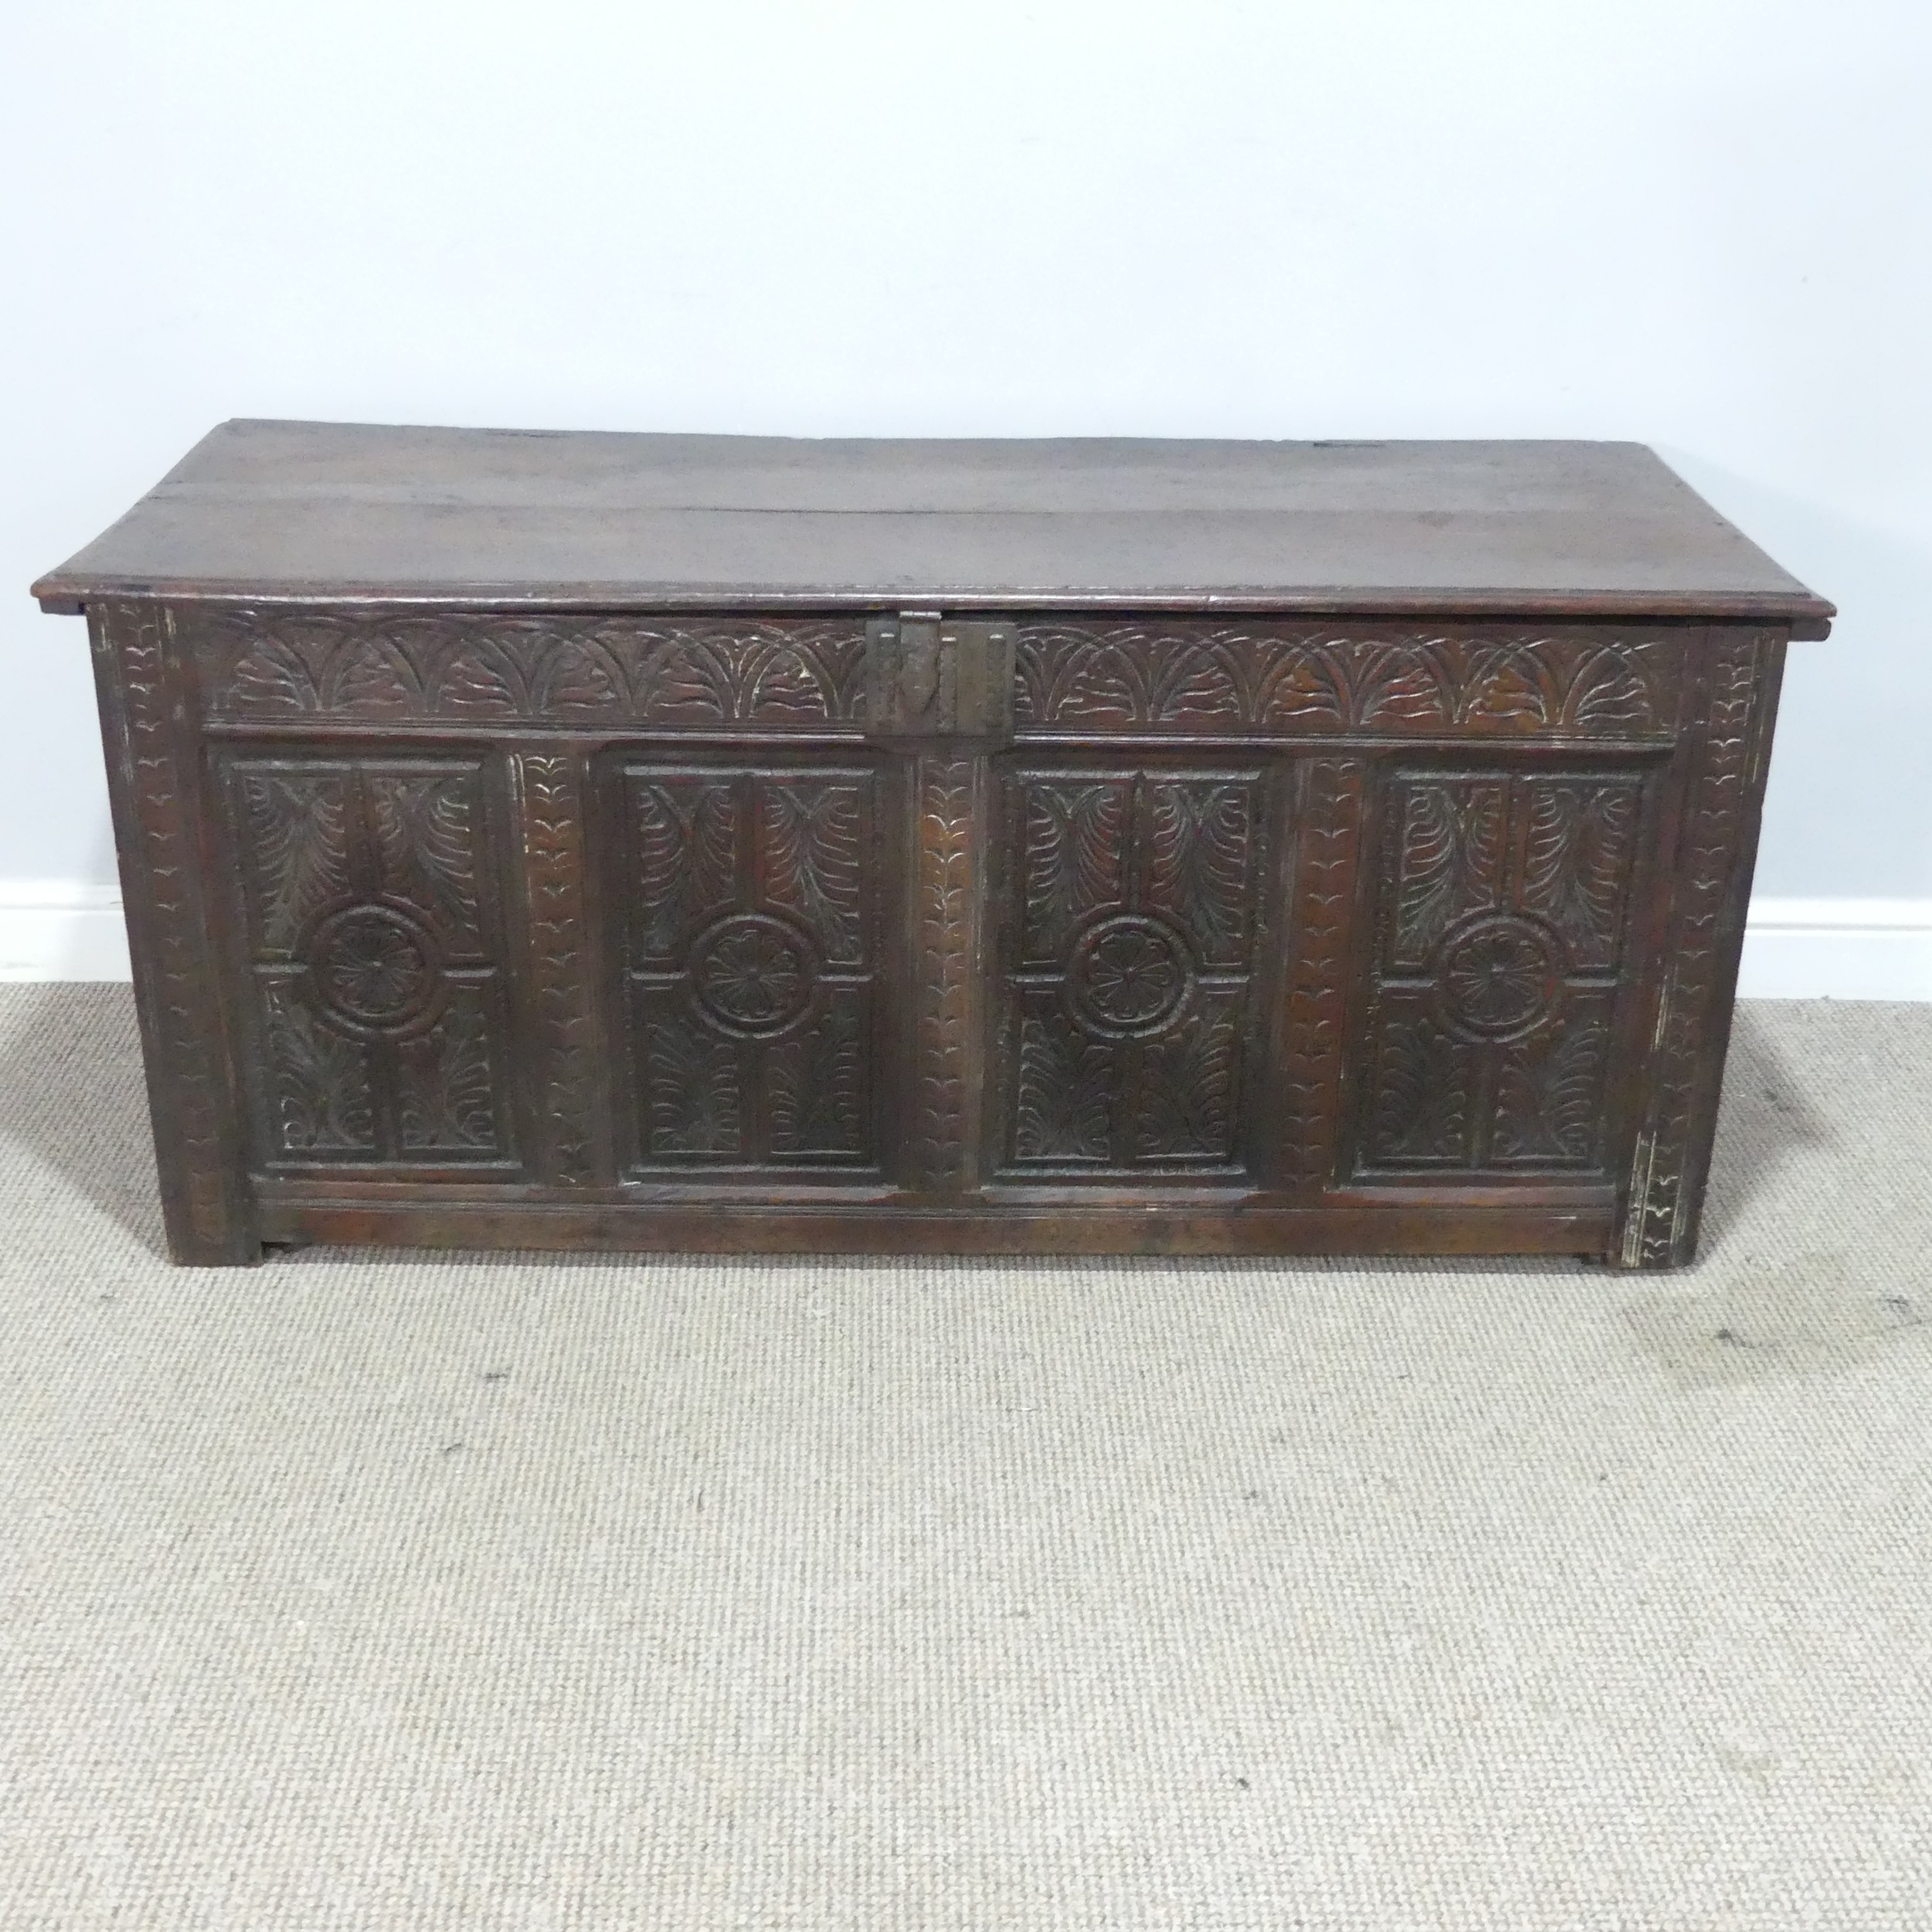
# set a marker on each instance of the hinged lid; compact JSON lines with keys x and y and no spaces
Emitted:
{"x":348,"y":512}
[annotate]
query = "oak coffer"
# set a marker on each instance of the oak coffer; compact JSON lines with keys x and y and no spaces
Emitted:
{"x":723,"y":842}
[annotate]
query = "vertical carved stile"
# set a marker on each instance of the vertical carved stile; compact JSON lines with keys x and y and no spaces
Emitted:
{"x":1717,"y":844}
{"x":1329,"y":851}
{"x":152,"y":776}
{"x":945,"y":1085}
{"x":550,"y":790}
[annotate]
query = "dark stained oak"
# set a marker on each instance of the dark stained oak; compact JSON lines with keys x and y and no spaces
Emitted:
{"x":267,"y":510}
{"x":714,"y":842}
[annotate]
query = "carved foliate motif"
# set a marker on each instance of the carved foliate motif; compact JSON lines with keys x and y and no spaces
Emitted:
{"x":1502,"y":941}
{"x":944,"y":1076}
{"x":1549,"y":1088}
{"x":1328,"y":837}
{"x":751,"y":959}
{"x":446,"y":1085}
{"x":696,"y":672}
{"x":1195,"y":675}
{"x":370,"y":928}
{"x":1451,"y":862}
{"x":321,"y":1097}
{"x":817,"y":1086}
{"x":1184,"y":674}
{"x":1128,"y":985}
{"x":569,"y":1071}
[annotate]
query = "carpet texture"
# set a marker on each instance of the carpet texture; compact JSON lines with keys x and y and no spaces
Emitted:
{"x":378,"y":1590}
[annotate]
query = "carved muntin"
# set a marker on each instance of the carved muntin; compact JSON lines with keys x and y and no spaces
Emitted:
{"x":1174,"y":930}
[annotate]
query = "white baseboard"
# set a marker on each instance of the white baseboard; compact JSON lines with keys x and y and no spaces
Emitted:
{"x":1794,"y":948}
{"x":1838,"y":949}
{"x":52,"y":930}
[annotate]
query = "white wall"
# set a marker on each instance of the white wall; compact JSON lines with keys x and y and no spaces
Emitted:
{"x":1702,"y":223}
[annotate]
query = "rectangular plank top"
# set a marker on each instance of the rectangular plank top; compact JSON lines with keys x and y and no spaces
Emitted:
{"x":281,"y":511}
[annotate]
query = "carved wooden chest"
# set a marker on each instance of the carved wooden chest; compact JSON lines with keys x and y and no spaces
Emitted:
{"x":677,"y":842}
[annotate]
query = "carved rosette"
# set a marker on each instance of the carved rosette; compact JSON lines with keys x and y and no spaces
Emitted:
{"x":1499,"y":976}
{"x":371,"y":968}
{"x":1128,"y":976}
{"x":752,"y":974}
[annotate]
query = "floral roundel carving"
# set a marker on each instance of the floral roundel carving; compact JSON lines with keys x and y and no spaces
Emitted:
{"x":371,"y":967}
{"x":753,"y":973}
{"x":1129,"y":974}
{"x":1499,"y":975}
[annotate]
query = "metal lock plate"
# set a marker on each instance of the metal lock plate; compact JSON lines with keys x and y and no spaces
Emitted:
{"x":929,"y":676}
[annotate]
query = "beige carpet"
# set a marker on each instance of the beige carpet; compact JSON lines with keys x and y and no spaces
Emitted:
{"x":374,"y":1591}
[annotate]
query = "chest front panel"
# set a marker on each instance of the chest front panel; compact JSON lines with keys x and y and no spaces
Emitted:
{"x":998,"y":918}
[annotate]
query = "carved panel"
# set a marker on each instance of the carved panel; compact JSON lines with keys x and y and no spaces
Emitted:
{"x":698,"y":673}
{"x":1132,"y":897}
{"x":1067,"y":1088}
{"x":752,"y":963}
{"x":1502,"y":937}
{"x":812,"y":834}
{"x":426,"y":837}
{"x":1196,"y":675}
{"x":693,"y":1101}
{"x":320,"y":1094}
{"x":298,"y":826}
{"x":367,"y":887}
